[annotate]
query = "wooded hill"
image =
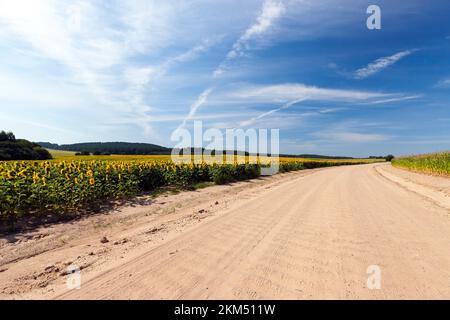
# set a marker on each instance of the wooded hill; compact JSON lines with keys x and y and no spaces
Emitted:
{"x":109,"y":147}
{"x":20,"y":149}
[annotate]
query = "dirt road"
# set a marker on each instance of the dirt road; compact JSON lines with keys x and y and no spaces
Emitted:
{"x":301,"y":236}
{"x":313,"y":237}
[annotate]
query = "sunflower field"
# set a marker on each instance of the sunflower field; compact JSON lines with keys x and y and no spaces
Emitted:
{"x":34,"y":187}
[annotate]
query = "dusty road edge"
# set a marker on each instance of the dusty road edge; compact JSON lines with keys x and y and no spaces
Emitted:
{"x":437,"y":197}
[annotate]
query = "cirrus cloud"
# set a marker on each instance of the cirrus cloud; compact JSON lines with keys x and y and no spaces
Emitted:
{"x":380,"y":64}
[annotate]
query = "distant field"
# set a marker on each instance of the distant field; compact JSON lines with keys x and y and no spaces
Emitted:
{"x":59,"y":155}
{"x":434,"y":163}
{"x":56,"y":154}
{"x":359,"y":160}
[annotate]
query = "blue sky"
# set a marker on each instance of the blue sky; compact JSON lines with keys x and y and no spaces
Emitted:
{"x":75,"y":71}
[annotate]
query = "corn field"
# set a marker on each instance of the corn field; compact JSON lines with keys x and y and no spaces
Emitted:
{"x":435,"y":163}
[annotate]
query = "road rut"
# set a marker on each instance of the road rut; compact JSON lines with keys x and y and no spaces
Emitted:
{"x":310,"y":238}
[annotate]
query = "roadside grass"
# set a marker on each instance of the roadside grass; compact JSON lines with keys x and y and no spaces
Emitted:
{"x":202,"y":185}
{"x":432,"y":163}
{"x":176,"y":189}
{"x":165,"y":190}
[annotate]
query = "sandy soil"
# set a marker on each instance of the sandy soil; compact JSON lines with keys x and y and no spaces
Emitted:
{"x":308,"y":234}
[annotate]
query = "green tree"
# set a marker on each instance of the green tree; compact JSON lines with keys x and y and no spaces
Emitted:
{"x":7,"y":136}
{"x":20,"y":149}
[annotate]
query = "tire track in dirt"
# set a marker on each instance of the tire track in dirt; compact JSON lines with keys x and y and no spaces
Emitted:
{"x":312,"y":237}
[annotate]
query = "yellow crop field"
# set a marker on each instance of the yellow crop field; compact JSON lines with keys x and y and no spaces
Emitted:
{"x":59,"y":155}
{"x":73,"y":182}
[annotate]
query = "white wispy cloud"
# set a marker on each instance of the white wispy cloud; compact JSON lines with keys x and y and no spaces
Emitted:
{"x":21,"y":120}
{"x":352,"y":136}
{"x":354,"y":131}
{"x":96,"y":45}
{"x":138,"y":79}
{"x":280,"y":121}
{"x":284,"y":93}
{"x":27,"y":91}
{"x":331,"y":110}
{"x":195,"y":106}
{"x":73,"y":35}
{"x":398,"y":99}
{"x":292,"y":94}
{"x":268,"y":113}
{"x":380,"y":64}
{"x":444,"y":83}
{"x":148,"y":25}
{"x":270,"y":11}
